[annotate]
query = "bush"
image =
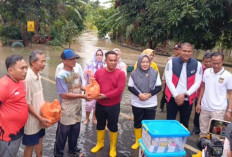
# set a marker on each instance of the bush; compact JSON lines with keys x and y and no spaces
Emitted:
{"x":11,"y":32}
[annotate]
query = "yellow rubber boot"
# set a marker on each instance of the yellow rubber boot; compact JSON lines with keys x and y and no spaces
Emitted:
{"x":199,"y":154}
{"x":138,"y":135}
{"x":100,"y":141}
{"x":113,"y":143}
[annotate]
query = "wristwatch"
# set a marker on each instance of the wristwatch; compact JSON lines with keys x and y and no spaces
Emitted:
{"x":185,"y":95}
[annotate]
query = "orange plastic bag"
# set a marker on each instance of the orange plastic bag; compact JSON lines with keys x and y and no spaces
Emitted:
{"x":51,"y":111}
{"x":93,"y":88}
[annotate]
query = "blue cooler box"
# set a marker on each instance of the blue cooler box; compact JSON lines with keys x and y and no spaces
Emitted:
{"x":164,"y":136}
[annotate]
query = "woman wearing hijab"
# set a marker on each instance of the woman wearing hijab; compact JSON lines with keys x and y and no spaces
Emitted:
{"x":120,"y":65}
{"x":144,"y":83}
{"x":92,"y":67}
{"x":151,"y":54}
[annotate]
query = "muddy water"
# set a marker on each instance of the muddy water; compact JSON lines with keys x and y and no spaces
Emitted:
{"x":86,"y":46}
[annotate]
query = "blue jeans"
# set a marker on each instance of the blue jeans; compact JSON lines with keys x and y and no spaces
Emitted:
{"x":63,"y":132}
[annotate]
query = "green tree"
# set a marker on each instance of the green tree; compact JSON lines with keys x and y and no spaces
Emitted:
{"x":70,"y":30}
{"x":101,"y":21}
{"x":201,"y":22}
{"x":49,"y":16}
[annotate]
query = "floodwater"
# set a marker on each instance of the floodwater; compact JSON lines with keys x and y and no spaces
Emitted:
{"x":86,"y":46}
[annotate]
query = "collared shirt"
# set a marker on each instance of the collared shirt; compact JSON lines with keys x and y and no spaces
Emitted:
{"x":35,"y":98}
{"x":216,"y":86}
{"x":181,"y":87}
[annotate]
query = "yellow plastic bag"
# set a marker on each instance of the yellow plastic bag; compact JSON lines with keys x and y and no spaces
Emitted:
{"x":51,"y":111}
{"x":93,"y":88}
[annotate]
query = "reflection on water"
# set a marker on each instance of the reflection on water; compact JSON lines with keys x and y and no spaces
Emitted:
{"x":85,"y":45}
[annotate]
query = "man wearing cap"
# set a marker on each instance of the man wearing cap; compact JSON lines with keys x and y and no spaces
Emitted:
{"x":176,"y":52}
{"x":68,"y":86}
{"x":212,"y":101}
{"x":183,"y":76}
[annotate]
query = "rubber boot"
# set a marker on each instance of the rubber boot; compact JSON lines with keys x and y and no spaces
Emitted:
{"x":138,"y":135}
{"x":199,"y":154}
{"x":113,"y":143}
{"x":100,"y":141}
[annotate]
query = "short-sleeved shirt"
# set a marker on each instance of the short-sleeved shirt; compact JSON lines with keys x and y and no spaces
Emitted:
{"x":135,"y":101}
{"x":69,"y":81}
{"x":13,"y":109}
{"x":216,"y":87}
{"x":35,"y":98}
{"x":78,"y":66}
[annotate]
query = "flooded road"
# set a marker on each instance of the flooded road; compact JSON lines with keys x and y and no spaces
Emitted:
{"x":86,"y":46}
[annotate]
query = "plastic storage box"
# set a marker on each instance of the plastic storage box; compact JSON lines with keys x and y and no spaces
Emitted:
{"x":143,"y":152}
{"x":164,"y":136}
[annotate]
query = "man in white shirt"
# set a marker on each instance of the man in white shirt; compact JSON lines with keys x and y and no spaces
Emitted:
{"x":183,"y":77}
{"x":34,"y":129}
{"x":212,"y":102}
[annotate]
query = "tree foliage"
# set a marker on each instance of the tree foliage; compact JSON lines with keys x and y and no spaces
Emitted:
{"x":101,"y":20}
{"x":50,"y":17}
{"x":204,"y":23}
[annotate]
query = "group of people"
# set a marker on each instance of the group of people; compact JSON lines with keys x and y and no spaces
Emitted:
{"x":20,"y":100}
{"x":21,"y":96}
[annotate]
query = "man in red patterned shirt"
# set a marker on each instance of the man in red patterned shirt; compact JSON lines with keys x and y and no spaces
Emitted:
{"x":13,"y":106}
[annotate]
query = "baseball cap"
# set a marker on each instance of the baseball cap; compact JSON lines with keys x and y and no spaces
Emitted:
{"x":177,"y":46}
{"x":68,"y":54}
